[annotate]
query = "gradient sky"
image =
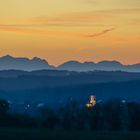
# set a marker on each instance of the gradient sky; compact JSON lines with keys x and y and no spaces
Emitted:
{"x":62,"y":30}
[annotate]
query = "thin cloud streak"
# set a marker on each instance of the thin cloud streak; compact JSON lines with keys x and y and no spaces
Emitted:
{"x":56,"y":25}
{"x":86,"y":16}
{"x":52,"y":33}
{"x":100,"y":33}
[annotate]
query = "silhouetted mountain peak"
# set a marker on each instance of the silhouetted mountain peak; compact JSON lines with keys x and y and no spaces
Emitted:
{"x":7,"y":57}
{"x":37,"y":59}
{"x":11,"y":58}
{"x":22,"y":63}
{"x":87,"y":62}
{"x":91,"y":66}
{"x":112,"y":63}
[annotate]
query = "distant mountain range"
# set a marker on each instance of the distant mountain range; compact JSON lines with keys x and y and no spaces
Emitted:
{"x":20,"y":63}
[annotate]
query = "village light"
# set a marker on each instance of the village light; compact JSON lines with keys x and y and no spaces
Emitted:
{"x":92,"y":102}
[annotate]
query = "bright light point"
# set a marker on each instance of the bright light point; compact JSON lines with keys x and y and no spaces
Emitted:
{"x":92,"y":102}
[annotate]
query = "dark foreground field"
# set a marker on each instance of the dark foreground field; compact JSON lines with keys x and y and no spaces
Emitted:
{"x":43,"y":134}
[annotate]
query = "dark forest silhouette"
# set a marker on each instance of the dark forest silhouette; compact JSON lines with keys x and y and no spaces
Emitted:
{"x":113,"y":115}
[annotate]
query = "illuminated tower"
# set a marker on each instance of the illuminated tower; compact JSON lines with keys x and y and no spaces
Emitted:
{"x":92,"y":102}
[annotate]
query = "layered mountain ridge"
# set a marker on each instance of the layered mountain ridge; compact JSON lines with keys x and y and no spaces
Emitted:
{"x":9,"y":62}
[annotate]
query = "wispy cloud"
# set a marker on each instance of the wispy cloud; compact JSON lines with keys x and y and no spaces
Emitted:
{"x":107,"y":19}
{"x":51,"y":33}
{"x":100,"y":33}
{"x":90,"y":18}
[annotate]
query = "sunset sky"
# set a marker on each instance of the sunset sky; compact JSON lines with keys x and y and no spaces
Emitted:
{"x":62,"y":30}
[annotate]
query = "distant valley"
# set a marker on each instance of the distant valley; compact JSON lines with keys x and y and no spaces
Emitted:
{"x":60,"y":86}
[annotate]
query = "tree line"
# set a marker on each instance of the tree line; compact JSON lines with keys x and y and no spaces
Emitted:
{"x":113,"y":115}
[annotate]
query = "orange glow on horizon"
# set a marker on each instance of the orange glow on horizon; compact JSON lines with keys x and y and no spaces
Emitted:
{"x":64,"y":30}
